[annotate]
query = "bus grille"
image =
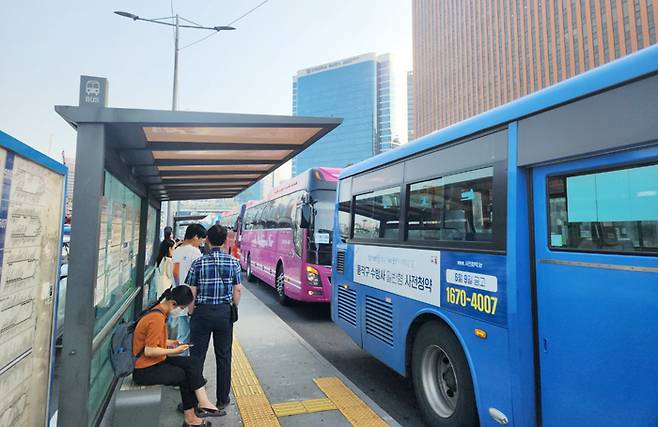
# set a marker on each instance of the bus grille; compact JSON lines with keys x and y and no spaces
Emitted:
{"x":379,"y":319}
{"x":347,"y":305}
{"x":340,"y":262}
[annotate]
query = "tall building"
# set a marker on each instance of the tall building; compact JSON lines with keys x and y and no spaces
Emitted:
{"x":254,"y":192}
{"x":363,"y":90}
{"x":410,"y":105}
{"x":471,"y":56}
{"x":263,"y":187}
{"x":205,"y":205}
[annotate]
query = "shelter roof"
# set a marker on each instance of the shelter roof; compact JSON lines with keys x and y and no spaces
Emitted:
{"x":183,"y":155}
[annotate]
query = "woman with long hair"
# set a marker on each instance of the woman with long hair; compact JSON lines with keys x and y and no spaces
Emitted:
{"x":154,"y":366}
{"x":164,"y":266}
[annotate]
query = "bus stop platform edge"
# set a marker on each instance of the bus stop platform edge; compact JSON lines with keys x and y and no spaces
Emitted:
{"x":278,"y":379}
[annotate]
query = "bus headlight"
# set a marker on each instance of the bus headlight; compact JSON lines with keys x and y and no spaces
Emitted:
{"x":312,"y":276}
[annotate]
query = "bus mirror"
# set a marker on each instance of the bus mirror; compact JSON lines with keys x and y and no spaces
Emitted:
{"x":305,"y":220}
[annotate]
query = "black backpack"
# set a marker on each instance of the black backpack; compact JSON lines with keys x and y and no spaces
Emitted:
{"x":121,"y":346}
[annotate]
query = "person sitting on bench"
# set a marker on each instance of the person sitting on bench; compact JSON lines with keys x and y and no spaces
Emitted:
{"x":153,"y":367}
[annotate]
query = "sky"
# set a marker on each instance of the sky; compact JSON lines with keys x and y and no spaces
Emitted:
{"x":46,"y":46}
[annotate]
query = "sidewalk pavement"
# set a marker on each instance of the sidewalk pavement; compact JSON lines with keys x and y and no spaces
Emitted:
{"x":279,"y":379}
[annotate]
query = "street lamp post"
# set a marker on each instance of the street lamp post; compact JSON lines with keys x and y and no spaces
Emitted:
{"x":176,"y":25}
{"x":174,"y":96}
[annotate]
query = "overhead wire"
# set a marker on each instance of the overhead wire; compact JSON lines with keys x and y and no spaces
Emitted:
{"x":239,"y":18}
{"x":173,"y":17}
{"x":248,"y":12}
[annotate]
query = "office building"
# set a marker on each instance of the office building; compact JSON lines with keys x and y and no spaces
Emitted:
{"x":410,"y":105}
{"x":365,"y":91}
{"x":262,"y":188}
{"x":254,"y":192}
{"x":204,"y":205}
{"x":471,"y":56}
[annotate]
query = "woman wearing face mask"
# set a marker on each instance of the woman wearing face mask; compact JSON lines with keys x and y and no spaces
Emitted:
{"x":151,"y":344}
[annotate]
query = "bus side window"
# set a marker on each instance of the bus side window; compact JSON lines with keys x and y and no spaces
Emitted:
{"x":344,"y":206}
{"x":609,"y":211}
{"x":452,"y":207}
{"x":297,"y":232}
{"x":377,"y":214}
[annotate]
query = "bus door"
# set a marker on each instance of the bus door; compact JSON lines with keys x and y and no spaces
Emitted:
{"x":596,"y":260}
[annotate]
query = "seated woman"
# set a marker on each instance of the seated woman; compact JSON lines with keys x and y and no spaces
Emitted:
{"x":151,"y":343}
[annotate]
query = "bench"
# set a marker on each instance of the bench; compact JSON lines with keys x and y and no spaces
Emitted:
{"x":137,"y":405}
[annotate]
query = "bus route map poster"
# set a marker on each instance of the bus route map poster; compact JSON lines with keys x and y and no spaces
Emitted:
{"x":30,"y":235}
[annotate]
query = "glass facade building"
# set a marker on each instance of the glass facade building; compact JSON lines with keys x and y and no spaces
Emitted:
{"x":410,"y":105}
{"x":254,"y":192}
{"x":362,"y":91}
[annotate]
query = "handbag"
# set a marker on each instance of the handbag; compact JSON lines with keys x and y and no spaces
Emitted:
{"x":234,"y":313}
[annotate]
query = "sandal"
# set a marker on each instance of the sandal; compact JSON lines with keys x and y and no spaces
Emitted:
{"x":204,"y":423}
{"x":207,"y":412}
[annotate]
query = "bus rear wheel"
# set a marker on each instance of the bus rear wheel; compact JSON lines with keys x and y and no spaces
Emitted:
{"x":441,"y":378}
{"x":281,"y":287}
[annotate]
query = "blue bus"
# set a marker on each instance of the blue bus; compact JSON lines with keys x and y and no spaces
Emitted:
{"x":508,"y":264}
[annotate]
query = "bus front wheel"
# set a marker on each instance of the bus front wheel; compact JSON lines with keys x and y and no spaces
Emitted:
{"x":441,"y":378}
{"x":281,"y":286}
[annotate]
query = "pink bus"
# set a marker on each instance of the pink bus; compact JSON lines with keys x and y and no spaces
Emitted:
{"x":286,"y":238}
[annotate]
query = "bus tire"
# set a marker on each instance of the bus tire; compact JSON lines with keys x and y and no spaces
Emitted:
{"x":280,"y":285}
{"x":250,"y":275}
{"x":447,"y":399}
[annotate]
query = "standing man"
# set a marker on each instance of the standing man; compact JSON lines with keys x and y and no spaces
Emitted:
{"x":215,"y":281}
{"x":184,"y":256}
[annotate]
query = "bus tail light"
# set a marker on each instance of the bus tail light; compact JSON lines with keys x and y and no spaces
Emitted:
{"x":312,"y":276}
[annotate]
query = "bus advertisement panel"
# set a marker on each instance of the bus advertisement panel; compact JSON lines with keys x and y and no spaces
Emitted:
{"x":508,"y":264}
{"x":287,"y":238}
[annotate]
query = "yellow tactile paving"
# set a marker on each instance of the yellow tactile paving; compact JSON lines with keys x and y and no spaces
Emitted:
{"x":256,"y":410}
{"x":354,"y":409}
{"x":318,"y":405}
{"x":288,"y":408}
{"x":298,"y":407}
{"x":254,"y":407}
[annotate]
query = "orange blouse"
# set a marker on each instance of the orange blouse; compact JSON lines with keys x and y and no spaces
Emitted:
{"x":151,"y":331}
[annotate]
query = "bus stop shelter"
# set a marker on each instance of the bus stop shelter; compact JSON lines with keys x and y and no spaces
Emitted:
{"x":129,"y":161}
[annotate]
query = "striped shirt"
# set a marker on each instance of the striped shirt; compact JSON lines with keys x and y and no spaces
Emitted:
{"x":214,"y":275}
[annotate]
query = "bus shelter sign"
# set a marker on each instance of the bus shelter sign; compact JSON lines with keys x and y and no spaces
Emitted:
{"x":411,"y":273}
{"x":467,"y":283}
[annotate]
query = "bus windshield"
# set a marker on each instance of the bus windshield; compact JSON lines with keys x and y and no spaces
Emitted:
{"x":320,"y":231}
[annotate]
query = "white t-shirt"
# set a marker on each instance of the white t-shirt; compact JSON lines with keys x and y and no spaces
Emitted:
{"x":185,"y":256}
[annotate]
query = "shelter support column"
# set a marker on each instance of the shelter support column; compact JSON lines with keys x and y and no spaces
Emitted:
{"x":141,"y":255}
{"x":83,"y":266}
{"x":156,"y":241}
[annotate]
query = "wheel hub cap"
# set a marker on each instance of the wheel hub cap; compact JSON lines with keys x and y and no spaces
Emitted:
{"x":439,"y":381}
